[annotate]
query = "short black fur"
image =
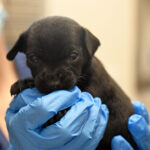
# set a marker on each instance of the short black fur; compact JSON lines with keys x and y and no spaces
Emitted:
{"x":60,"y":55}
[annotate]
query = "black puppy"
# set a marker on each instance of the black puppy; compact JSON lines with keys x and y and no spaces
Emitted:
{"x":60,"y":55}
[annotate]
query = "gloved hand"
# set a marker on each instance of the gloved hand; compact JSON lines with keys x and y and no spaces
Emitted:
{"x":81,"y":128}
{"x":138,"y":127}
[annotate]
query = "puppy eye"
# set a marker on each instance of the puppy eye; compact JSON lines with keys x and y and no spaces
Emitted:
{"x":33,"y":58}
{"x":74,"y":55}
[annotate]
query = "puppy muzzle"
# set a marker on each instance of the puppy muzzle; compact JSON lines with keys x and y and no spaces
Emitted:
{"x":47,"y":82}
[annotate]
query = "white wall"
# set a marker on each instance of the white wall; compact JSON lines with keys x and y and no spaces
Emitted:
{"x":115,"y":24}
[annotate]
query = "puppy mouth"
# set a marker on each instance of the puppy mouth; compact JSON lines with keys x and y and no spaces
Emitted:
{"x":46,"y":86}
{"x":51,"y":89}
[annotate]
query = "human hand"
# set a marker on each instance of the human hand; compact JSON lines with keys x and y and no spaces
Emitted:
{"x":82,"y":127}
{"x":138,"y":127}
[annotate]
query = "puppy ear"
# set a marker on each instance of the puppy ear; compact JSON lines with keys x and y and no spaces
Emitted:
{"x":20,"y":45}
{"x":91,"y":42}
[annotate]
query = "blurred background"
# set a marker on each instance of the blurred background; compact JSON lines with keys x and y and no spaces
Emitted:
{"x":123,"y":27}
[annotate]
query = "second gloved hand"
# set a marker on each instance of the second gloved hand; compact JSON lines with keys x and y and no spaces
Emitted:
{"x":138,"y":127}
{"x":81,"y":128}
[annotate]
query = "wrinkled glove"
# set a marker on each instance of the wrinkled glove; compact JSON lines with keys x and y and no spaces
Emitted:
{"x":81,"y":128}
{"x":138,"y":127}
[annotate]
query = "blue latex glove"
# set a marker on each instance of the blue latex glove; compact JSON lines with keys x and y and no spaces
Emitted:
{"x":138,"y":127}
{"x":81,"y":128}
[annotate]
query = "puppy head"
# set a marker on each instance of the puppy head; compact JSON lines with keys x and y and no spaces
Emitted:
{"x":58,"y":50}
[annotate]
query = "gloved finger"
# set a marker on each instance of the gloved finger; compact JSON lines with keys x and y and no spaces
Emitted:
{"x":84,"y":107}
{"x":40,"y":111}
{"x":119,"y":143}
{"x":94,"y":127}
{"x":103,"y":119}
{"x":71,"y":124}
{"x":27,"y":96}
{"x":11,"y":147}
{"x":24,"y":98}
{"x":140,"y":131}
{"x":93,"y":130}
{"x":140,"y":109}
{"x":81,"y":124}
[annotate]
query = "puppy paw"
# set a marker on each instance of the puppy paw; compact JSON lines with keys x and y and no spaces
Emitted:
{"x":20,"y":85}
